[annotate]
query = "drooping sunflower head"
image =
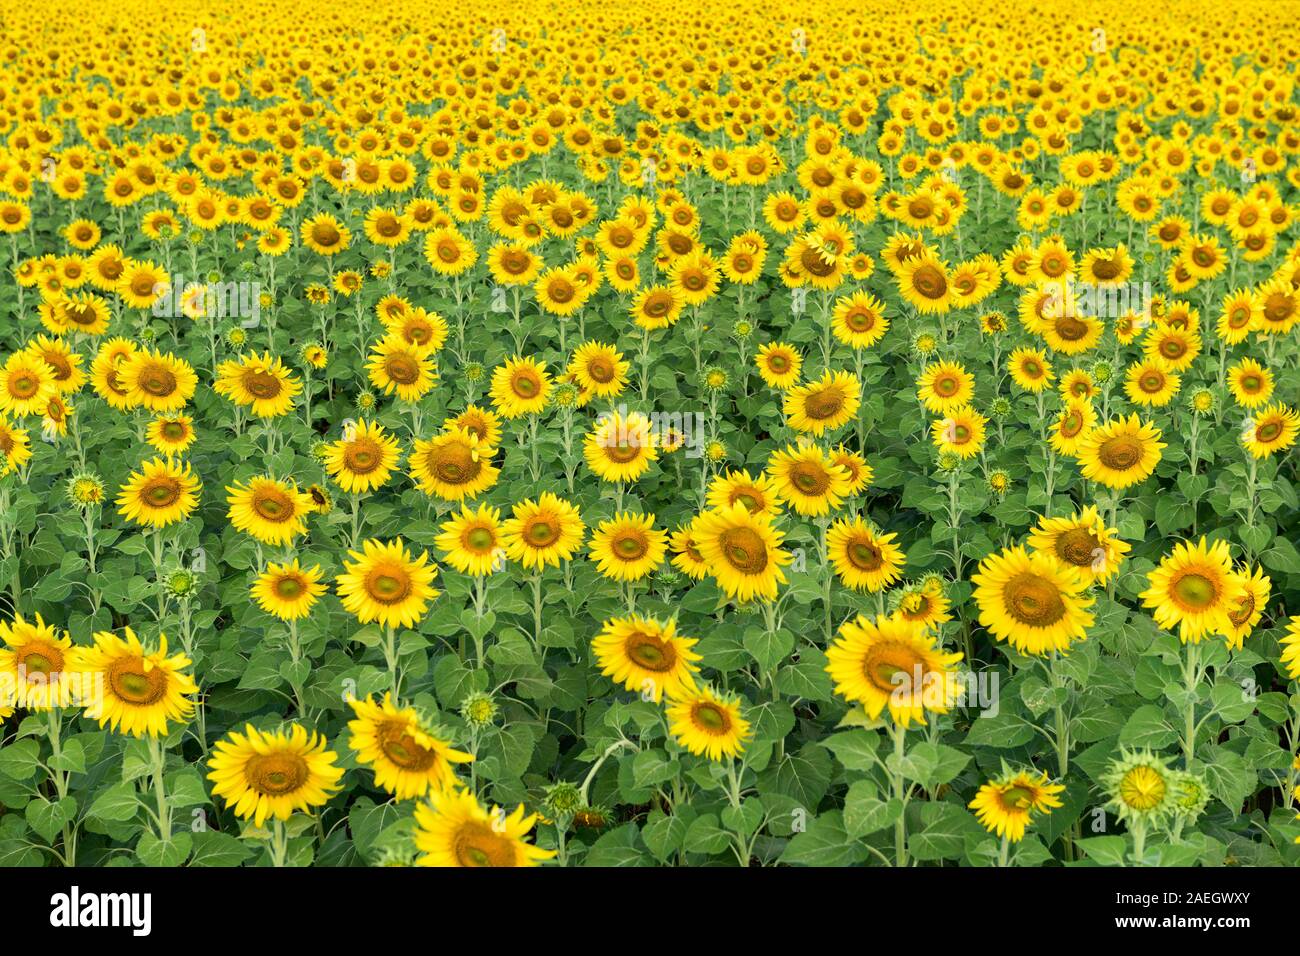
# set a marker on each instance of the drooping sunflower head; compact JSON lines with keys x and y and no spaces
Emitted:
{"x":409,"y":756}
{"x":453,"y":829}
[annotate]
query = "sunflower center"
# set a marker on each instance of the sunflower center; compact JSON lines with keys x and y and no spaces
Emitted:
{"x":362,"y":456}
{"x":24,"y":385}
{"x":454,"y":463}
{"x":399,"y":746}
{"x":1120,"y":453}
{"x":132,"y":683}
{"x":1195,"y":590}
{"x":525,"y":385}
{"x":623,"y":452}
{"x":1077,"y":546}
{"x":810,"y":479}
{"x":161,"y":493}
{"x":261,"y":384}
{"x":43,"y":660}
{"x":477,"y":846}
{"x":650,"y":652}
{"x":325,"y":234}
{"x":289,"y":588}
{"x":744,"y":550}
{"x":402,"y":369}
{"x":388,"y":585}
{"x":631,"y":546}
{"x":711,"y":719}
{"x":480,"y":540}
{"x":824,"y":404}
{"x":276,"y":774}
{"x":272,"y":504}
{"x":930,"y":282}
{"x":542,"y":532}
{"x":1034,"y":600}
{"x":159,"y":382}
{"x":601,"y":370}
{"x":1268,"y":432}
{"x":864,"y":555}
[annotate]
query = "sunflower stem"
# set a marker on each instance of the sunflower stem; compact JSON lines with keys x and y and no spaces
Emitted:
{"x":900,"y":792}
{"x":159,"y":762}
{"x":1191,"y":678}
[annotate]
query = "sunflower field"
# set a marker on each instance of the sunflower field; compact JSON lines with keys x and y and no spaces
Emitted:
{"x":605,"y":433}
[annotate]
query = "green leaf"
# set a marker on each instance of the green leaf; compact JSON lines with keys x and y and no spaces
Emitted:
{"x":1147,"y":727}
{"x":1105,"y":850}
{"x":826,"y":842}
{"x":118,"y":804}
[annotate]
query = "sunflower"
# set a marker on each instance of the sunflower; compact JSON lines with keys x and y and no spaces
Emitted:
{"x":274,"y":512}
{"x":26,"y":384}
{"x":628,"y":547}
{"x":743,"y":552}
{"x":259,"y":382}
{"x":453,"y":829}
{"x":1120,"y":453}
{"x":808,"y":479}
{"x":599,"y":369}
{"x":1032,"y":601}
{"x":142,"y":284}
{"x":1075,"y":420}
{"x":1194,"y":587}
{"x":480,"y":421}
{"x":409,"y":757}
{"x":1030,"y":369}
{"x":161,"y":384}
{"x":471,"y":541}
{"x":925,"y":284}
{"x":62,"y":361}
{"x":1005,"y":806}
{"x":759,"y":494}
{"x":546,"y":531}
{"x":384,"y":583}
{"x":707,"y":723}
{"x":160,"y":493}
{"x":944,"y":386}
{"x":453,"y":466}
{"x":779,"y":364}
{"x":686,"y":553}
{"x":171,"y":434}
{"x":824,"y":405}
{"x":15,"y":447}
{"x":39,"y":670}
{"x":646,"y":656}
{"x":364,"y":459}
{"x":620,"y":448}
{"x":859,"y":320}
{"x":892,"y":662}
{"x":325,"y":235}
{"x":1290,"y":658}
{"x":1248,"y":609}
{"x":961,"y":432}
{"x":1083,"y":542}
{"x":1177,"y":347}
{"x":863,"y":558}
{"x":141,"y":690}
{"x":656,"y":307}
{"x":261,"y":775}
{"x":1272,"y":430}
{"x":288,"y":591}
{"x":521,"y":386}
{"x":399,"y":367}
{"x":1251,"y":384}
{"x":1151,"y":382}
